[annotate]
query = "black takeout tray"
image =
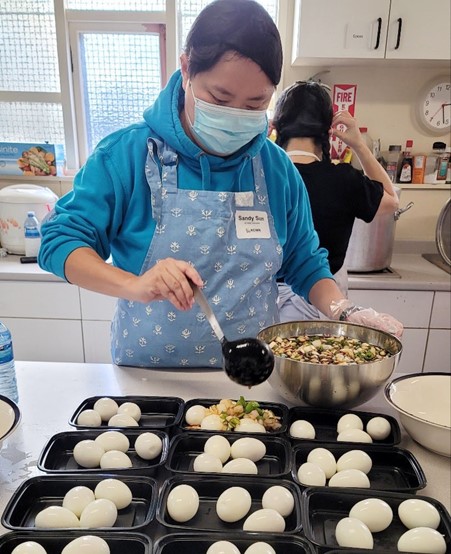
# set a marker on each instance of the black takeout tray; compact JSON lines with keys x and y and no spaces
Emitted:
{"x":394,"y":469}
{"x":57,"y":454}
{"x":325,"y":423}
{"x":37,"y":493}
{"x":54,"y":541}
{"x":280,"y":410}
{"x":323,"y":508}
{"x":184,"y":448}
{"x":157,"y":412}
{"x":191,"y":543}
{"x":209,"y":489}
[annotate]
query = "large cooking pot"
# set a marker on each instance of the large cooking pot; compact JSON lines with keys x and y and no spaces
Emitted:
{"x":371,"y":244}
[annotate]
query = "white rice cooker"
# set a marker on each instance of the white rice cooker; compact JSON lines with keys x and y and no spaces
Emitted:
{"x":15,"y":202}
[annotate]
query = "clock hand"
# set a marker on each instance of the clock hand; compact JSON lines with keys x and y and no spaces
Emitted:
{"x":432,"y":116}
{"x":443,"y":112}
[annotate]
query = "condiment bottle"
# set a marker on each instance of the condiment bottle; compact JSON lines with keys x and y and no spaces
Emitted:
{"x":430,"y":172}
{"x":405,"y":171}
{"x":442,"y":167}
{"x":394,"y":151}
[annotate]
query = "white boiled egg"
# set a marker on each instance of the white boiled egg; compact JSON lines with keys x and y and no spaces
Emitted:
{"x":223,"y":547}
{"x":89,"y":418}
{"x":248,"y":425}
{"x":218,"y":446}
{"x":29,"y":547}
{"x":195,"y":414}
{"x":248,"y":447}
{"x":415,"y":512}
{"x":324,"y":459}
{"x":56,"y":517}
{"x":88,"y":544}
{"x":113,"y":440}
{"x":260,"y":548}
{"x":354,"y":533}
{"x":77,"y":498}
{"x":354,"y":435}
{"x":233,"y":504}
{"x":350,"y":478}
{"x":106,"y":407}
{"x":148,"y":446}
{"x":278,"y":498}
{"x":118,"y":492}
{"x":302,"y":429}
{"x":211,"y":422}
{"x":355,"y":459}
{"x":240,"y":465}
{"x":115,"y":459}
{"x":378,"y":428}
{"x":422,"y":539}
{"x":87,"y":453}
{"x":208,"y":463}
{"x":100,"y":513}
{"x":182,"y":503}
{"x":130,"y":408}
{"x":122,"y":420}
{"x":349,"y":421}
{"x":374,"y":512}
{"x":311,"y":475}
{"x":266,"y":520}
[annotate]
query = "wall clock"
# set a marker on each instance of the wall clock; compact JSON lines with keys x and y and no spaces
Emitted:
{"x":434,"y":106}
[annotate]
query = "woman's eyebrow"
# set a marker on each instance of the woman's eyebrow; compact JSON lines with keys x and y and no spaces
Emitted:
{"x":225,"y":92}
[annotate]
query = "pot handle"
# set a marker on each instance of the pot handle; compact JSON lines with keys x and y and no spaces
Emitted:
{"x":399,"y":212}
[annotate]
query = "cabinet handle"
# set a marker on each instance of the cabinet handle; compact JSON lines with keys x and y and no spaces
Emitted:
{"x":379,"y":28}
{"x":398,"y":37}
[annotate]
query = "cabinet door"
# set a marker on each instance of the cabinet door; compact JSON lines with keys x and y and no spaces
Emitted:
{"x":441,"y":311}
{"x":97,"y":307}
{"x":438,"y":354}
{"x":419,"y":30}
{"x":339,"y":29}
{"x":97,"y":343}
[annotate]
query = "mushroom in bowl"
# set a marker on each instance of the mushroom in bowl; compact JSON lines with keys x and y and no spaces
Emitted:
{"x":9,"y":417}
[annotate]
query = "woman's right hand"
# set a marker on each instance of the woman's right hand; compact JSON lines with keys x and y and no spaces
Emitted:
{"x":351,"y":135}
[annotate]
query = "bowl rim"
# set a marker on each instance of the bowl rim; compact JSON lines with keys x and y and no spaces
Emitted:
{"x":387,"y":390}
{"x":17,"y":416}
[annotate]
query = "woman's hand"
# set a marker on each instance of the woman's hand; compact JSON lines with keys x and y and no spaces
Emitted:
{"x":351,"y":135}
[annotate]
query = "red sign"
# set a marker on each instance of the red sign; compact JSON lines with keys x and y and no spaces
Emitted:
{"x":343,"y":99}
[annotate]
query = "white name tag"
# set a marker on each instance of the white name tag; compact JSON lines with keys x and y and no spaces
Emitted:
{"x":252,"y":225}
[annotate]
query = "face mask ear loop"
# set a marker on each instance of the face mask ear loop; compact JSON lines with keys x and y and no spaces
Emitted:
{"x":194,"y":98}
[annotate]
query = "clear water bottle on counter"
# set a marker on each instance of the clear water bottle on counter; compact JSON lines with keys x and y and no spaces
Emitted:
{"x":8,"y":384}
{"x":32,"y":235}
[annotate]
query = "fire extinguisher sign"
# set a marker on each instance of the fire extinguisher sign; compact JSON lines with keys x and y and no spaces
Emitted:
{"x":343,"y":100}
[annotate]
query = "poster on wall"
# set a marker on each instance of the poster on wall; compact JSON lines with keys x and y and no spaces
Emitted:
{"x":344,"y":97}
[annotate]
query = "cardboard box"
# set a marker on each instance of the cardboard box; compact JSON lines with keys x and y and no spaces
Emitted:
{"x":27,"y":159}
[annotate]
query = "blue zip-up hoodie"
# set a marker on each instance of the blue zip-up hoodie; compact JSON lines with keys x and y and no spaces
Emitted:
{"x":109,"y":208}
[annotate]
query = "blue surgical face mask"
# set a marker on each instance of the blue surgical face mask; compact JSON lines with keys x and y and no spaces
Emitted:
{"x":222,"y":130}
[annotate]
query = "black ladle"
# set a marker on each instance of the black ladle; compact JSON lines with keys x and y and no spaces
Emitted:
{"x":247,"y":361}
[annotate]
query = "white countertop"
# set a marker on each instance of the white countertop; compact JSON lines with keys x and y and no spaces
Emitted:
{"x":50,"y":392}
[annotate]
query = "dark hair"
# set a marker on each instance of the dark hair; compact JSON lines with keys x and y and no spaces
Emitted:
{"x":242,"y":26}
{"x":304,"y":110}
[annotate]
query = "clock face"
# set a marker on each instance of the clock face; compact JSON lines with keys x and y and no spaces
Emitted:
{"x":435,"y":107}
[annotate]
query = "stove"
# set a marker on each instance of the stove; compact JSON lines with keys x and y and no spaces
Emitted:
{"x":387,"y":272}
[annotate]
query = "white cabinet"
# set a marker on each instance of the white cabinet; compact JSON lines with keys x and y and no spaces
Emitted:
{"x":97,"y":311}
{"x":370,"y":29}
{"x":438,"y":350}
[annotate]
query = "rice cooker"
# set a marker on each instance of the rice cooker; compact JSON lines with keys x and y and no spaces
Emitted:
{"x":15,"y":202}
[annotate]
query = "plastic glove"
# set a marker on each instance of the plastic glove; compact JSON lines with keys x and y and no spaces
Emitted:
{"x":345,"y":310}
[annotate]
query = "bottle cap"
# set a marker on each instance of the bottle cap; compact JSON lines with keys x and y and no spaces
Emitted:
{"x":438,"y":146}
{"x":394,"y":148}
{"x":31,"y":214}
{"x":409,"y":143}
{"x":363,"y":129}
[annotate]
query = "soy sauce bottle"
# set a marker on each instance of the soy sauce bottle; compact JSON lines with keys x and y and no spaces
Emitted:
{"x":406,"y":169}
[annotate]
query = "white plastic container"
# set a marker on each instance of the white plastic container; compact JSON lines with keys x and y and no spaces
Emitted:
{"x":15,"y":202}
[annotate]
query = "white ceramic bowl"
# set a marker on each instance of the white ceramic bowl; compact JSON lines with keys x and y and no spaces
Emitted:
{"x":423,"y":402}
{"x":9,"y":417}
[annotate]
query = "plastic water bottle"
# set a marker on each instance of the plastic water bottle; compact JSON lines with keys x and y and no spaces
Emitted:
{"x":32,"y":235}
{"x":8,"y":384}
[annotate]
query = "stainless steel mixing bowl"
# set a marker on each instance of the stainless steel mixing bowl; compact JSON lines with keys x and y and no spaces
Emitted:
{"x":331,"y":385}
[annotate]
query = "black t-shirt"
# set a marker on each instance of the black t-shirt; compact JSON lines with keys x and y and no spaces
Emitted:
{"x":339,"y":194}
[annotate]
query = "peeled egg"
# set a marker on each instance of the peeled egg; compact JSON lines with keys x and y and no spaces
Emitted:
{"x":29,"y":547}
{"x":56,"y":517}
{"x":115,"y":459}
{"x":349,"y":421}
{"x":118,"y":492}
{"x":422,"y":539}
{"x":148,"y":446}
{"x":182,"y":503}
{"x":208,"y":463}
{"x":311,"y":475}
{"x":218,"y":446}
{"x":113,"y":440}
{"x":223,"y":547}
{"x":122,"y":420}
{"x":195,"y":414}
{"x":302,"y":429}
{"x":355,"y":459}
{"x":266,"y":520}
{"x":324,"y":459}
{"x":260,"y":548}
{"x":278,"y":498}
{"x":248,"y":425}
{"x":100,"y":513}
{"x":248,"y":447}
{"x":89,"y":418}
{"x":240,"y":465}
{"x":350,"y":478}
{"x":415,"y":512}
{"x":378,"y":428}
{"x":106,"y":407}
{"x":131,"y":409}
{"x":77,"y":498}
{"x":233,"y":504}
{"x":374,"y":512}
{"x":354,"y":533}
{"x":88,"y":544}
{"x":354,"y":435}
{"x":211,"y":422}
{"x":88,"y":453}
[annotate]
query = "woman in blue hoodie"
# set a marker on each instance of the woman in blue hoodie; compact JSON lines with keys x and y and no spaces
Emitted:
{"x":196,"y":192}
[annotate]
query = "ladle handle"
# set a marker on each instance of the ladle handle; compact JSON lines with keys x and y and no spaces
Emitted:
{"x":203,"y":303}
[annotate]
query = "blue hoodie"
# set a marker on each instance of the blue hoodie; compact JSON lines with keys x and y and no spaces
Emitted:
{"x":109,"y":208}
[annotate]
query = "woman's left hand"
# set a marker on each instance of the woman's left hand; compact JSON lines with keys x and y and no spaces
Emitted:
{"x":351,"y":135}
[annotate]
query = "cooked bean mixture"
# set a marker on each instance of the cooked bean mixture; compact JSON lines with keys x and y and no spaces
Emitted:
{"x":327,"y":349}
